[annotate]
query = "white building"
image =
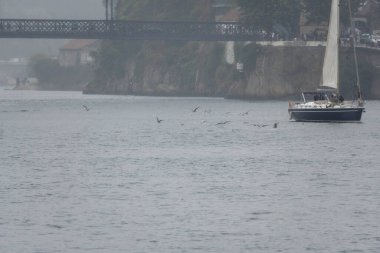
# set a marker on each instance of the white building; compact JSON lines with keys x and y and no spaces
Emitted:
{"x":77,"y":52}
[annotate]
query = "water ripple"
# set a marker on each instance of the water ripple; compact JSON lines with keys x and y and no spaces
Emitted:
{"x":116,"y":181}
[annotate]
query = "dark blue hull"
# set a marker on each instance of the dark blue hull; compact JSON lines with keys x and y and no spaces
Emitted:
{"x":326,"y":114}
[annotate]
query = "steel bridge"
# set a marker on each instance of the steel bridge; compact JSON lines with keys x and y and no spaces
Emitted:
{"x":127,"y":30}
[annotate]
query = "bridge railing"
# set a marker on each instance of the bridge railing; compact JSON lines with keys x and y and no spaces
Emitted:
{"x":132,"y":30}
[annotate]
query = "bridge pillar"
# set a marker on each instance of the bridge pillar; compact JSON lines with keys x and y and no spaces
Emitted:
{"x":106,"y":9}
{"x":109,"y":10}
{"x":112,"y":6}
{"x":229,"y":52}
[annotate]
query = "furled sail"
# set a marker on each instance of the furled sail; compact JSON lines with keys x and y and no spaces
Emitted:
{"x":331,"y":61}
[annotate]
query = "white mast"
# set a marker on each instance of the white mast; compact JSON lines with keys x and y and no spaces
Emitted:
{"x":330,"y":75}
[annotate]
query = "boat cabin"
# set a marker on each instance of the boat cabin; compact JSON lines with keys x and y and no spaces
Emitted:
{"x":322,"y":97}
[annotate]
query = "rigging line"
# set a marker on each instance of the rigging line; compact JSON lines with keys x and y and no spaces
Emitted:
{"x":354,"y":45}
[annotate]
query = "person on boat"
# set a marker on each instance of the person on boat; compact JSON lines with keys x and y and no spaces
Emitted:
{"x":341,"y":99}
{"x":334,"y":98}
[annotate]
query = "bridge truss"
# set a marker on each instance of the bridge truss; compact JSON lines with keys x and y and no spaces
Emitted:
{"x":127,"y":30}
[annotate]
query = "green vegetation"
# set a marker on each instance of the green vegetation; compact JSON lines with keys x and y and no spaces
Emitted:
{"x":111,"y":58}
{"x":191,"y":67}
{"x":247,"y":54}
{"x":52,"y":76}
{"x":213,"y":59}
{"x":179,"y":57}
{"x":266,"y":14}
{"x":44,"y":68}
{"x":319,"y":11}
{"x":185,"y":60}
{"x":194,"y":10}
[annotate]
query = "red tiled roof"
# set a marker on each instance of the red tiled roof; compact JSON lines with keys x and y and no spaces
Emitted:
{"x":231,"y":16}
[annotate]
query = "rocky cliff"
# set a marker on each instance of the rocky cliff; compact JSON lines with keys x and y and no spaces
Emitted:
{"x":167,"y":68}
{"x":281,"y":71}
{"x":172,"y":68}
{"x":200,"y":69}
{"x":369,"y":66}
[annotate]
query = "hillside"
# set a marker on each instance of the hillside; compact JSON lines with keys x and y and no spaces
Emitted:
{"x":199,"y":69}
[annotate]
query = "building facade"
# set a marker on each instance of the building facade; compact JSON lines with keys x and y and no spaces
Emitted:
{"x":77,"y":52}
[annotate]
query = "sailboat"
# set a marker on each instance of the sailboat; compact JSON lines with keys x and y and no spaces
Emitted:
{"x":325,"y":104}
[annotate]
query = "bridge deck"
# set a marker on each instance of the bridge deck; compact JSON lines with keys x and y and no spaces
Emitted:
{"x":129,"y":30}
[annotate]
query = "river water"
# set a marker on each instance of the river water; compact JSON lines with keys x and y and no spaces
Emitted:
{"x":112,"y":179}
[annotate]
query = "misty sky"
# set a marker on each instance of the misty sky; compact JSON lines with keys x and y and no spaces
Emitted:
{"x":75,"y":9}
{"x":55,"y":9}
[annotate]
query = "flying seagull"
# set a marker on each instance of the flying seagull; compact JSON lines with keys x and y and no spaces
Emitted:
{"x":260,"y":126}
{"x":246,"y":113}
{"x":195,"y":109}
{"x":85,"y":107}
{"x":159,"y":120}
{"x":223,"y":123}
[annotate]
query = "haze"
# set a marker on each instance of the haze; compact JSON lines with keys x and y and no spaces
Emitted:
{"x":44,"y":9}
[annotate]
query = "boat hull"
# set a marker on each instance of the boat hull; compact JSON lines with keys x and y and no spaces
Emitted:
{"x":326,"y":114}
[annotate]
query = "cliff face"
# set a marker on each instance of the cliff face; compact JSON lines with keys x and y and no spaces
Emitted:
{"x":281,"y":72}
{"x":369,"y":61}
{"x":170,"y":68}
{"x":199,"y":69}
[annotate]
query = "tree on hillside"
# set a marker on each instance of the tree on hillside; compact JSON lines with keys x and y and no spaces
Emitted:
{"x":319,"y":11}
{"x":111,"y":58}
{"x":44,"y":68}
{"x":265,"y":14}
{"x":165,"y":10}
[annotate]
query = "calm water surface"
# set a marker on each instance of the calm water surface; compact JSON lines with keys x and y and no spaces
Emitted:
{"x":112,"y":179}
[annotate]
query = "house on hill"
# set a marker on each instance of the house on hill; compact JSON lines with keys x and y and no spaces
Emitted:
{"x":232,"y":15}
{"x":77,"y":52}
{"x":222,"y":7}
